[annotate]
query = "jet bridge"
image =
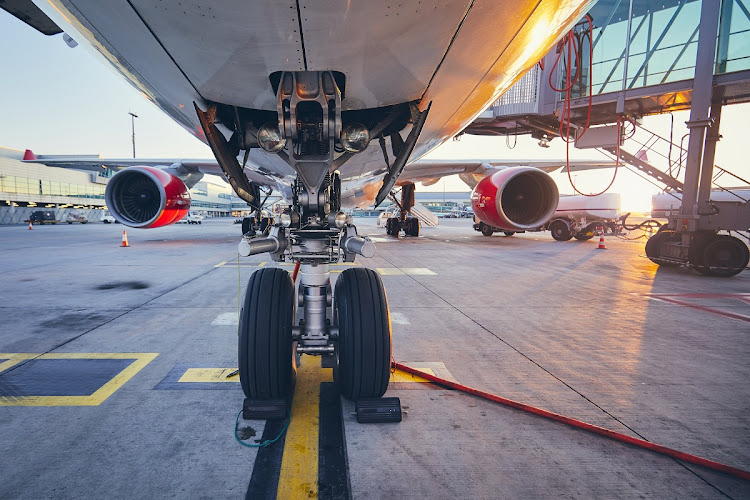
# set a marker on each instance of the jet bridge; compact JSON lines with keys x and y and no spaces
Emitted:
{"x":632,"y":58}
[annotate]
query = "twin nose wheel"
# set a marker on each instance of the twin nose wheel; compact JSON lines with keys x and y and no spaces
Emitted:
{"x":363,"y":350}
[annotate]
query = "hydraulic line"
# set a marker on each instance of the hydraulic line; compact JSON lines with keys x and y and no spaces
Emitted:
{"x":650,"y":223}
{"x":617,"y":436}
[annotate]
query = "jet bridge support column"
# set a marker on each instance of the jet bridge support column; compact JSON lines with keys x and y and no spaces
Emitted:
{"x":699,"y":119}
{"x":692,"y":235}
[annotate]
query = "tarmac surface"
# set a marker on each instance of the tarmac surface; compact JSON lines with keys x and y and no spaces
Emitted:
{"x":113,"y":365}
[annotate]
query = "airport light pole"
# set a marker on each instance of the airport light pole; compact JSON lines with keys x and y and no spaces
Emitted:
{"x":133,"y":116}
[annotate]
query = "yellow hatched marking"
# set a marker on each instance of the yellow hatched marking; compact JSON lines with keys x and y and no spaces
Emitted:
{"x":208,"y":375}
{"x":141,"y":359}
{"x":299,"y":466}
{"x":401,"y":376}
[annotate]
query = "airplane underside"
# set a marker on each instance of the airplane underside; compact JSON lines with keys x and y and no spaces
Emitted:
{"x":309,"y":97}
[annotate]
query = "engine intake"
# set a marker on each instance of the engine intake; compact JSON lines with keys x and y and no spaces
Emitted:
{"x":516,"y":199}
{"x":147,"y":197}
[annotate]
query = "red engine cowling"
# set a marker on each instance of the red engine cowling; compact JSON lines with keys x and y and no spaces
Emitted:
{"x":515,"y":199}
{"x":147,"y":197}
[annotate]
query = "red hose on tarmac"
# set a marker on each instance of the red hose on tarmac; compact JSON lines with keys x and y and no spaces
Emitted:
{"x":686,"y":457}
{"x":296,"y":270}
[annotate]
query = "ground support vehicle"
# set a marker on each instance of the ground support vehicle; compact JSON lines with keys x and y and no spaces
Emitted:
{"x":42,"y":217}
{"x":76,"y":217}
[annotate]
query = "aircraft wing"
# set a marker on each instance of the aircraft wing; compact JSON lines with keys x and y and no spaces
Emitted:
{"x":429,"y":171}
{"x":93,"y":162}
{"x":180,"y":167}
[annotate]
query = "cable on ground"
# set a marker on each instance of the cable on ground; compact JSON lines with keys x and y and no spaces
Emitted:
{"x":265,"y":443}
{"x":617,"y":436}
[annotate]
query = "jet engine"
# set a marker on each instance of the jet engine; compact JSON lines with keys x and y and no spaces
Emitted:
{"x":147,"y":197}
{"x":515,"y":199}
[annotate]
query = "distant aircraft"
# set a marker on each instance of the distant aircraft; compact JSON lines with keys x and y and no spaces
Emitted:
{"x":328,"y":102}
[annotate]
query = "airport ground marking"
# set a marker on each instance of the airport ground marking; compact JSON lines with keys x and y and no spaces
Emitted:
{"x":678,"y":299}
{"x":140,"y":360}
{"x":309,"y":461}
{"x":409,"y":271}
{"x":226,"y":319}
{"x":298,"y":477}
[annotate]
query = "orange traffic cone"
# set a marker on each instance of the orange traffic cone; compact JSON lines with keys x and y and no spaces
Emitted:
{"x":124,"y":239}
{"x":601,"y":241}
{"x":30,"y":227}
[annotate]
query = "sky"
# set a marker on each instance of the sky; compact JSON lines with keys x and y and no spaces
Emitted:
{"x":58,"y":100}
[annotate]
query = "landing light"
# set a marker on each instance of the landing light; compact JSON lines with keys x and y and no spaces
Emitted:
{"x":355,"y":138}
{"x":270,"y":139}
{"x":341,"y":220}
{"x":285,"y":219}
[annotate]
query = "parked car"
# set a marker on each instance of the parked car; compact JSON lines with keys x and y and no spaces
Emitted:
{"x":108,"y":219}
{"x":191,"y":218}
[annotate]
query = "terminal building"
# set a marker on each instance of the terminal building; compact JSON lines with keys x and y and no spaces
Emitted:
{"x":28,"y":187}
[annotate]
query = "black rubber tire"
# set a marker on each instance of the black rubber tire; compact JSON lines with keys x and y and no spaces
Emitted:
{"x":486,"y":230}
{"x":583,"y":236}
{"x":393,"y":227}
{"x":724,"y":256}
{"x":560,"y":230}
{"x":509,"y":233}
{"x":413,"y":225}
{"x":363,"y":351}
{"x":697,"y":247}
{"x":265,"y":335}
{"x":653,"y":248}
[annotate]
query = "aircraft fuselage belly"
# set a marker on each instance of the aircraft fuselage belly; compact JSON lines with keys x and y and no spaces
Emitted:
{"x":460,"y":55}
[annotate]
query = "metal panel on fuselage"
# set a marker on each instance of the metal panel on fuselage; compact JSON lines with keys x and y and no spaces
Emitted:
{"x":388,"y":50}
{"x":228,"y":49}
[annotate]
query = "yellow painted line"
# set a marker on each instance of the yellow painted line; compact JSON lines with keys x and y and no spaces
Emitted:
{"x":262,"y":264}
{"x":208,"y":375}
{"x":13,"y":359}
{"x":220,"y":264}
{"x":101,"y":394}
{"x":299,"y":466}
{"x":401,"y":376}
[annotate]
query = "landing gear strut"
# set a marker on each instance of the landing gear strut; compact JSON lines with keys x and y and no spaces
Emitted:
{"x":348,"y":326}
{"x":406,"y":222}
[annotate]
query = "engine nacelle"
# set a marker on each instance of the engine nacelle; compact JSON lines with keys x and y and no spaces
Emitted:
{"x":147,"y":197}
{"x":515,"y":199}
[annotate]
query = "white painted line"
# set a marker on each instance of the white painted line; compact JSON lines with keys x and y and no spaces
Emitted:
{"x":399,"y":319}
{"x":389,"y":271}
{"x":229,"y":318}
{"x":412,"y":271}
{"x":418,"y":271}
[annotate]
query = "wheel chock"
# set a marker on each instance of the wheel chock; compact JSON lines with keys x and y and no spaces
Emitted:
{"x":328,"y":361}
{"x":378,"y":410}
{"x":264,"y":409}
